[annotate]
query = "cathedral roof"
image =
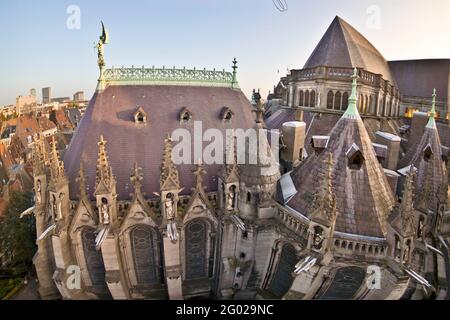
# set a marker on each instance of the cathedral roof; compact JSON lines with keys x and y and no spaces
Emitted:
{"x":363,"y":195}
{"x":426,"y":156}
{"x":343,"y":46}
{"x":110,"y":113}
{"x":417,"y":78}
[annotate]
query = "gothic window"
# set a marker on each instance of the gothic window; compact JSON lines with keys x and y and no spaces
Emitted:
{"x":427,"y":153}
{"x":301,"y":99}
{"x":306,"y":98}
{"x":345,"y":284}
{"x":313,"y":99}
{"x":361,"y":103}
{"x":344,"y":101}
{"x":146,"y":255}
{"x":94,"y":259}
{"x":140,"y":116}
{"x":196,"y":250}
{"x":355,"y":158}
{"x":330,"y":97}
{"x":282,"y":278}
{"x":337,"y":101}
{"x":185,"y":115}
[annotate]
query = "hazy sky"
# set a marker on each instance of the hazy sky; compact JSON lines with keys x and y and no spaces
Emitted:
{"x":38,"y":49}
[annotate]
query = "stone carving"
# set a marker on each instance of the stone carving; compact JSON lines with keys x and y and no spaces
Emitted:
{"x":231,"y":198}
{"x":318,"y":238}
{"x":104,"y":211}
{"x":38,"y":192}
{"x":169,"y":207}
{"x":59,"y":214}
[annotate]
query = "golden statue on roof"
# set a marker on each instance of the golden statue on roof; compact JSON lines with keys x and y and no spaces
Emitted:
{"x":101,"y":42}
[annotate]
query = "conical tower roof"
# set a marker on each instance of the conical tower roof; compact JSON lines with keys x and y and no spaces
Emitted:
{"x":343,"y":46}
{"x":427,"y":152}
{"x":363,"y":196}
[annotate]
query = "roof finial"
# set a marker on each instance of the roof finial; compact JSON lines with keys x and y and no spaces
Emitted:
{"x":81,"y":179}
{"x":104,"y":171}
{"x":136,"y":177}
{"x":234,"y":80}
{"x":103,"y":39}
{"x":169,"y":178}
{"x":432,"y":122}
{"x":352,"y":110}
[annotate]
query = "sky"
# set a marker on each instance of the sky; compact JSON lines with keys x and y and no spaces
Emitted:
{"x":46,"y":43}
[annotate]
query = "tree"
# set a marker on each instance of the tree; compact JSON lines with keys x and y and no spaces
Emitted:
{"x":18,"y":236}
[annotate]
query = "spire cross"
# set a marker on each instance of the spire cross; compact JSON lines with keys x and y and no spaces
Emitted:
{"x":234,"y":80}
{"x":432,"y":114}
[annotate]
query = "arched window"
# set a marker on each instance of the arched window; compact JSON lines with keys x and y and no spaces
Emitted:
{"x":397,"y":249}
{"x":420,"y":227}
{"x":146,"y":255}
{"x":94,"y":262}
{"x":306,"y":98}
{"x":313,"y":99}
{"x":330,"y":97}
{"x":337,"y":101}
{"x":282,"y":278}
{"x":345,"y":101}
{"x":249,"y":197}
{"x":197,"y":261}
{"x":361,"y":103}
{"x":301,"y":99}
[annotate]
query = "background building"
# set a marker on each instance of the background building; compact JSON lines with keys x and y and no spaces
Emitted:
{"x":46,"y":95}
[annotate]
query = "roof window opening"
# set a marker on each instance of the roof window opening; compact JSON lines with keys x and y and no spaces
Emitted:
{"x":427,"y":154}
{"x":227,"y":114}
{"x":140,"y":116}
{"x":185,"y":115}
{"x":355,"y":158}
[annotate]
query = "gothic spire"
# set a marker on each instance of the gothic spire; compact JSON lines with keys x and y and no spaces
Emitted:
{"x":230,"y":171}
{"x":56,"y":165}
{"x":169,"y":178}
{"x":352,"y":110}
{"x":324,"y":207}
{"x":406,"y":209}
{"x":426,"y":198}
{"x":104,"y":171}
{"x":259,"y":108}
{"x":81,"y":179}
{"x":39,"y":156}
{"x":432,"y":122}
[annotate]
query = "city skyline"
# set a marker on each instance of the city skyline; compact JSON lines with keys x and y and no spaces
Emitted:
{"x":198,"y":34}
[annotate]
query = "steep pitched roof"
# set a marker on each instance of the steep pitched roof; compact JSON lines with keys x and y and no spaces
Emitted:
{"x":343,"y":46}
{"x":111,"y":113}
{"x":425,"y":153}
{"x":363,"y":196}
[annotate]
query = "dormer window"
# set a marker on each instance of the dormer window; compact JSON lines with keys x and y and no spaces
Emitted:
{"x":227,"y":114}
{"x":427,"y":153}
{"x":140,"y":116}
{"x":355,"y":158}
{"x":185,"y":115}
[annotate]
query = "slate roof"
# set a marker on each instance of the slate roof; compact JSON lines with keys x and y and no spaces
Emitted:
{"x":417,"y":78}
{"x":110,"y":113}
{"x":364,"y":198}
{"x":343,"y":46}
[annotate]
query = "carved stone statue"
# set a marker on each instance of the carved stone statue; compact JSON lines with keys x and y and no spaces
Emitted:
{"x":52,"y":208}
{"x":38,"y":192}
{"x":420,"y":227}
{"x":169,"y":207}
{"x":59,"y":214}
{"x":398,"y":250}
{"x":104,"y":211}
{"x":231,"y":196}
{"x":406,"y":252}
{"x":318,"y":238}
